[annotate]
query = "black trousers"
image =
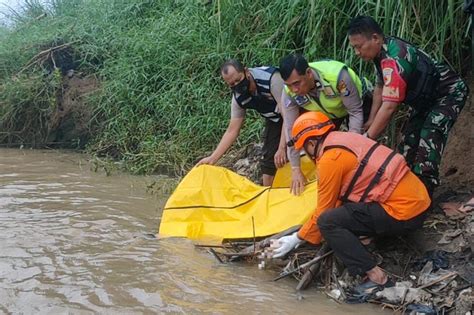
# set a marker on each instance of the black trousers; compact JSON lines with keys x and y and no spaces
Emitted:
{"x":341,"y":228}
{"x":271,"y":142}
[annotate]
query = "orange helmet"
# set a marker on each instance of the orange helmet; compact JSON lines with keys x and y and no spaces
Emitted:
{"x":307,"y":125}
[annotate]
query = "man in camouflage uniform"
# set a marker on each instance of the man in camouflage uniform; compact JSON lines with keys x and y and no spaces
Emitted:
{"x":434,"y":92}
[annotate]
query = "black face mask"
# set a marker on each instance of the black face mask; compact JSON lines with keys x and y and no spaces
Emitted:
{"x":242,"y":87}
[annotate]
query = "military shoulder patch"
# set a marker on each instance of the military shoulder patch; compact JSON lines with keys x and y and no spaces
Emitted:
{"x":387,"y":75}
{"x":394,"y":89}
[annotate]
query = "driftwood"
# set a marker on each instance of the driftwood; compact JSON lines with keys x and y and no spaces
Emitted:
{"x":308,"y":277}
{"x":213,"y":252}
{"x":303,"y":266}
{"x":312,"y":271}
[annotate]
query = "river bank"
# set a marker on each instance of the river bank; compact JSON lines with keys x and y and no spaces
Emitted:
{"x":444,"y":245}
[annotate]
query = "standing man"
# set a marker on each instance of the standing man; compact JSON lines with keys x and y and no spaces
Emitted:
{"x":325,"y":86}
{"x":259,"y":89}
{"x":364,"y":189}
{"x":405,"y":74}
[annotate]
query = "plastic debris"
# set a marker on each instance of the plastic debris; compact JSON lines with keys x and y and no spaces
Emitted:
{"x":335,"y":294}
{"x":401,"y":294}
{"x":420,"y":309}
{"x":439,"y":259}
{"x":451,"y":209}
{"x":449,"y":235}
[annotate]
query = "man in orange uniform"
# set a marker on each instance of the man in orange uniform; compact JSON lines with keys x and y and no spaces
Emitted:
{"x":364,"y":189}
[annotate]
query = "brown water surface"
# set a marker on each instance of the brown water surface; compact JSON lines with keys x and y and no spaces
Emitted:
{"x":73,"y":241}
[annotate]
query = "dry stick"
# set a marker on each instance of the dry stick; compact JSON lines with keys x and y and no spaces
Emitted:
{"x":403,"y":304}
{"x":327,"y":283}
{"x":332,"y":298}
{"x":47,"y":51}
{"x":234,"y":246}
{"x":210,"y":246}
{"x":391,"y":273}
{"x":311,"y":272}
{"x":307,"y":277}
{"x":39,"y":17}
{"x":384,"y":304}
{"x":462,"y":287}
{"x":338,"y":285}
{"x":253,"y":229}
{"x":213,"y":252}
{"x":406,"y":267}
{"x":405,"y":295}
{"x":446,"y":276}
{"x":240,"y":254}
{"x":307,"y":264}
{"x":51,"y":55}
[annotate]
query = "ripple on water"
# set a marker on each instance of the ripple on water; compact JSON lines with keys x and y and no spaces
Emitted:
{"x":70,"y":243}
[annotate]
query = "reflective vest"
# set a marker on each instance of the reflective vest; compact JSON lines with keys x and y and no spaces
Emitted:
{"x":379,"y":169}
{"x":329,"y":101}
{"x":263,"y":102}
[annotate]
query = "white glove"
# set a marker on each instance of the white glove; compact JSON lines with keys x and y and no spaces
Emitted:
{"x":287,"y":243}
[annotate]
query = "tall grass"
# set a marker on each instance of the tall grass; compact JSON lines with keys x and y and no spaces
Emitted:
{"x":162,"y":103}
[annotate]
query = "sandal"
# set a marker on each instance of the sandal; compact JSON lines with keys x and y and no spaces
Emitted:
{"x":364,"y":291}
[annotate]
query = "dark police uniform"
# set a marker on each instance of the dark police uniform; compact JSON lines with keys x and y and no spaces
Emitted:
{"x":265,"y":100}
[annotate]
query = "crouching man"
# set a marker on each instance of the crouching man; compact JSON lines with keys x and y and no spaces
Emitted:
{"x":365,"y":189}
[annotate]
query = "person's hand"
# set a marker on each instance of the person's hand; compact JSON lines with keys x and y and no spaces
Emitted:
{"x":287,"y":243}
{"x":297,"y":181}
{"x":280,"y":158}
{"x":367,"y":124}
{"x":207,"y":160}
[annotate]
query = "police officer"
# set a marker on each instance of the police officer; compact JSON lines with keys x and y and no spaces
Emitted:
{"x":405,"y":74}
{"x":258,"y":89}
{"x":326,"y":86}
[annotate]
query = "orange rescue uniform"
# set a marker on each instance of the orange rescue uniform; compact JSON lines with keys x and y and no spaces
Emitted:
{"x":409,"y":199}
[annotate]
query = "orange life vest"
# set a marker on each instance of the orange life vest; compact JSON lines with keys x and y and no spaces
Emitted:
{"x":378,"y":172}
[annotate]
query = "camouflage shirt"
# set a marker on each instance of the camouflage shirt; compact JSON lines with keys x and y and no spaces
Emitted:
{"x":405,"y":57}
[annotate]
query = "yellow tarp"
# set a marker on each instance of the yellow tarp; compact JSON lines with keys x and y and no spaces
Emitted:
{"x":214,"y":202}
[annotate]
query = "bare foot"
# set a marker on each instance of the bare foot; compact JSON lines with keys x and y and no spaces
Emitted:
{"x":377,"y":275}
{"x":366,"y":240}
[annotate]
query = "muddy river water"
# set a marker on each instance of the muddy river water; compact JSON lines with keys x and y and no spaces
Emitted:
{"x":72,"y":242}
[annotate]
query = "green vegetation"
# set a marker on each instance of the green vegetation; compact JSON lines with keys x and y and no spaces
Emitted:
{"x":162,"y":103}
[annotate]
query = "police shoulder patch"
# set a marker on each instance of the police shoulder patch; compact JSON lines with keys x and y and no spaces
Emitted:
{"x":329,"y":91}
{"x":342,"y":88}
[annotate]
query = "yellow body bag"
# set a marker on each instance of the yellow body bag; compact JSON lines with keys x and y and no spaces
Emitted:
{"x":216,"y":203}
